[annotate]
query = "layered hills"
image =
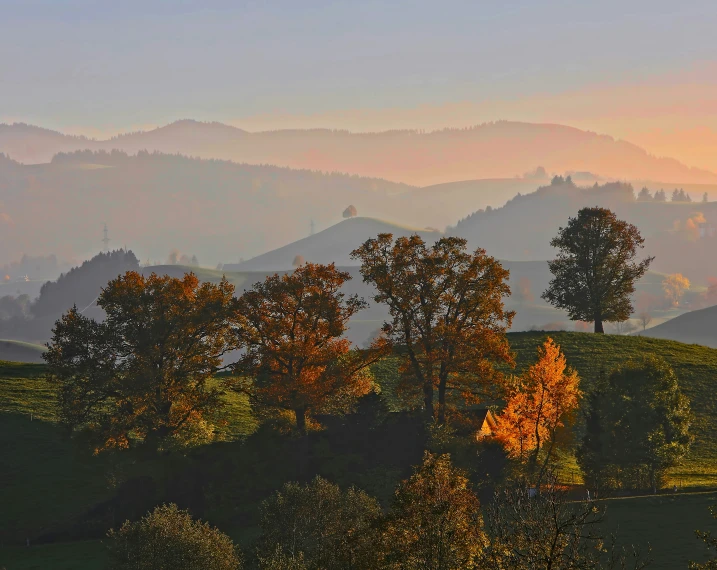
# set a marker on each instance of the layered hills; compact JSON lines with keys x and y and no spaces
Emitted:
{"x":499,"y":149}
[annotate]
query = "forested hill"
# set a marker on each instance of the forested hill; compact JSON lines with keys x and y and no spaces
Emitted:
{"x":523,"y":227}
{"x":499,"y":149}
{"x":154,"y":203}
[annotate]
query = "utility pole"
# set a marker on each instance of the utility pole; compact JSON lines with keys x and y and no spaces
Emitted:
{"x":106,"y":240}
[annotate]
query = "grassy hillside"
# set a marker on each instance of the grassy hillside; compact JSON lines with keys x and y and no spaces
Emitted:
{"x":694,"y":327}
{"x":47,"y":480}
{"x":18,"y":351}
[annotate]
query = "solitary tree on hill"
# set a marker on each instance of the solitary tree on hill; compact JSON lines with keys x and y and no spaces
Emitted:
{"x":296,"y":358}
{"x":298,"y":260}
{"x":142,"y":374}
{"x":447,"y":313}
{"x":595,"y":271}
{"x":350,"y":212}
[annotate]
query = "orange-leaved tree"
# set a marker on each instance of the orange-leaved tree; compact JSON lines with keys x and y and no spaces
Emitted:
{"x":447,"y":314}
{"x":540,"y":402}
{"x":295,"y":356}
{"x":142,"y":373}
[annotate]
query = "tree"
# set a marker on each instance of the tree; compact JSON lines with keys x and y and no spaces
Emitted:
{"x":524,"y":294}
{"x":645,"y":319}
{"x":674,"y":287}
{"x":625,"y":327}
{"x":434,"y":522}
{"x":548,"y":531}
{"x":541,"y":401}
{"x":173,"y":258}
{"x":447,"y":314}
{"x":169,"y":539}
{"x":142,"y":374}
{"x":641,"y":425}
{"x":320,"y":527}
{"x":194,"y":262}
{"x":644,"y":195}
{"x":676,"y":195}
{"x":660,"y":196}
{"x":296,"y":358}
{"x":298,"y":260}
{"x":350,"y":212}
{"x":594,"y":273}
{"x":711,"y":542}
{"x":705,"y":198}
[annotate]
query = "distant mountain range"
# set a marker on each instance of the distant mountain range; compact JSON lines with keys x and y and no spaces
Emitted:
{"x":493,"y":150}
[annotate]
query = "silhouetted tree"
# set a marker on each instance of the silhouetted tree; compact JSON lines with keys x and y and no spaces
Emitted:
{"x":594,"y":273}
{"x":705,"y":198}
{"x":298,"y":260}
{"x":660,"y":196}
{"x":644,"y":195}
{"x":447,"y":313}
{"x":142,"y":374}
{"x":350,"y":212}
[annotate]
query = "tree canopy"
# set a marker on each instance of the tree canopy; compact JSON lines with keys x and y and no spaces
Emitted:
{"x":142,"y":373}
{"x":296,"y":359}
{"x":447,"y":314}
{"x":595,"y":271}
{"x":169,"y":539}
{"x":638,"y":426}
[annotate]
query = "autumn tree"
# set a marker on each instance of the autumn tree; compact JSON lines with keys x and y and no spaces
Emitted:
{"x":142,"y":374}
{"x":639,"y":426}
{"x":350,"y":212}
{"x":540,"y":402}
{"x":447,"y":314}
{"x":296,"y":358}
{"x":318,"y":526}
{"x":595,"y":271}
{"x":711,"y":543}
{"x":170,"y":539}
{"x":434,"y":522}
{"x":674,"y":287}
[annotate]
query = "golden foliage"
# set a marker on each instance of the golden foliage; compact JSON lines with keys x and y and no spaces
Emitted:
{"x":674,"y":287}
{"x":540,"y":402}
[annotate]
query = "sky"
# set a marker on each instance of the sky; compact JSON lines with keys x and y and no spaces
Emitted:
{"x":642,"y":70}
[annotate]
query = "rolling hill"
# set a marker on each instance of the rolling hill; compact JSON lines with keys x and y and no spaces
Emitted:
{"x":492,"y":150}
{"x":17,"y":351}
{"x":694,"y":327}
{"x":332,"y":245}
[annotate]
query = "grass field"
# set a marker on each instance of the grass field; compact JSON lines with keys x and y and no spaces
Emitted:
{"x":47,"y":479}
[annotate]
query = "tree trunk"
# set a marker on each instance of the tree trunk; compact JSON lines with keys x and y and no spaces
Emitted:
{"x":442,"y":402}
{"x":598,"y":325}
{"x":300,"y":420}
{"x":428,"y":399}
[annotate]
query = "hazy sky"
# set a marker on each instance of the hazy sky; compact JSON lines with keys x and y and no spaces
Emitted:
{"x":101,"y":67}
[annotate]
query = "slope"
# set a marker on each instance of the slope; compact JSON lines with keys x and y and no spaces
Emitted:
{"x":17,"y":351}
{"x":695,"y":327}
{"x":332,"y":245}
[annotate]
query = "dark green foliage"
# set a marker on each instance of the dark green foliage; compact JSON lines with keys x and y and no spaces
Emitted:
{"x":169,"y":539}
{"x":595,"y":271}
{"x":319,"y":527}
{"x":638,"y":426}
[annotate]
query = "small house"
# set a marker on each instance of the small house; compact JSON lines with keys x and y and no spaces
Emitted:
{"x":485,"y":422}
